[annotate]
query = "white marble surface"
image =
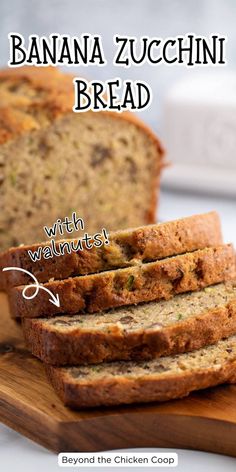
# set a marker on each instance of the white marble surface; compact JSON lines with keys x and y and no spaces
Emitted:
{"x":21,"y":455}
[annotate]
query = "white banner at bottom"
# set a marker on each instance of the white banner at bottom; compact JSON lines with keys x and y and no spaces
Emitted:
{"x":117,"y":459}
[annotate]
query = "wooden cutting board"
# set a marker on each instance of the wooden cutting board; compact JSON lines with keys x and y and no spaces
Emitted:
{"x":205,"y":420}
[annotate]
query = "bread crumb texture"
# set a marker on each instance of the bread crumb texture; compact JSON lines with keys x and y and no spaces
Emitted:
{"x":160,"y":379}
{"x":145,"y":331}
{"x":105,"y":166}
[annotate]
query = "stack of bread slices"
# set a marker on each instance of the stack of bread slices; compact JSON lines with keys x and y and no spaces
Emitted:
{"x":149,"y":317}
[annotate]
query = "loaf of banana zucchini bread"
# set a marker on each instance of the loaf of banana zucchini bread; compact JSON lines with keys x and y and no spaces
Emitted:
{"x":105,"y":166}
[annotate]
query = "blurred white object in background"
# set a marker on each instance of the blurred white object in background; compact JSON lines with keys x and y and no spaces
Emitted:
{"x":200,"y":133}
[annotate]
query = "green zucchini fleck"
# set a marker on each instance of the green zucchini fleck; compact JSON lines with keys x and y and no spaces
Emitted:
{"x":130,"y":282}
{"x":13,"y":178}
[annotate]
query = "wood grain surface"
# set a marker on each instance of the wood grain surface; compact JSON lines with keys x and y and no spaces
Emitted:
{"x":205,"y":420}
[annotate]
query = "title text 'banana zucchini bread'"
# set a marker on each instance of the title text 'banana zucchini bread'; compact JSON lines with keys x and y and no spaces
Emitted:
{"x":145,"y":331}
{"x":161,"y":379}
{"x":145,"y":282}
{"x":126,"y":248}
{"x":105,"y":166}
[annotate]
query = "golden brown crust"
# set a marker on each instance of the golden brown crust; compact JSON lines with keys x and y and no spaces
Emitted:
{"x":152,"y":281}
{"x":111,"y":391}
{"x":126,"y":248}
{"x":76,"y":347}
{"x":30,"y":98}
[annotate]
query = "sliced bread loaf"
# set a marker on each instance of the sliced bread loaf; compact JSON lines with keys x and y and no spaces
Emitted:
{"x":145,"y":282}
{"x":126,"y":248}
{"x":105,"y":165}
{"x":145,"y":331}
{"x":161,"y":379}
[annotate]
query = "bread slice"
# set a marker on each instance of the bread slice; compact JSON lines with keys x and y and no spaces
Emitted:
{"x":149,"y":330}
{"x":145,"y":282}
{"x":161,"y":379}
{"x":126,"y":248}
{"x":105,"y":166}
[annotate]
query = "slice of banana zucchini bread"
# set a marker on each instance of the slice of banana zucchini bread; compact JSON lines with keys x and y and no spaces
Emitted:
{"x":105,"y":166}
{"x":126,"y":248}
{"x":161,"y":379}
{"x":184,"y":323}
{"x":145,"y":282}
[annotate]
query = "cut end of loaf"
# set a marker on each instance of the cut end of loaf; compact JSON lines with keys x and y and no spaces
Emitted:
{"x":103,"y":167}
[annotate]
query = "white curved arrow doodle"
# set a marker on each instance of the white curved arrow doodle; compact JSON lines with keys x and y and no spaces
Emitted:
{"x":54,"y":298}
